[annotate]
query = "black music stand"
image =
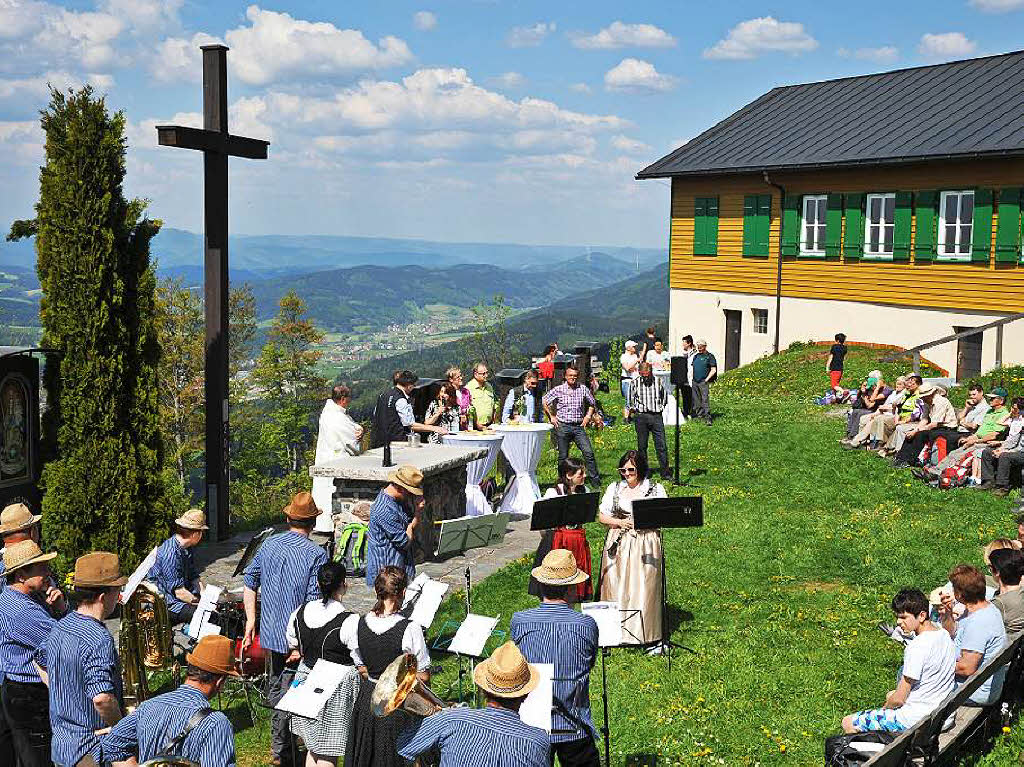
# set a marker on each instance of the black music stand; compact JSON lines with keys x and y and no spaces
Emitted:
{"x":573,"y":509}
{"x":658,"y":513}
{"x":679,"y":378}
{"x":250,"y":551}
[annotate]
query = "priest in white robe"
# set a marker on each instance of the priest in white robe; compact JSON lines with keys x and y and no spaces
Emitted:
{"x":339,"y":435}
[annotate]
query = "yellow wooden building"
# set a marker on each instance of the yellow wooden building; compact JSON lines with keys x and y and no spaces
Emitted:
{"x":886,"y":207}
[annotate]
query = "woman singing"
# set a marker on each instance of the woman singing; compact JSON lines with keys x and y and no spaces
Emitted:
{"x":571,"y":476}
{"x":632,"y":559}
{"x":324,"y":629}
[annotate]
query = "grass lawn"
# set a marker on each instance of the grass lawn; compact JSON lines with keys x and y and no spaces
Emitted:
{"x":802,"y":549}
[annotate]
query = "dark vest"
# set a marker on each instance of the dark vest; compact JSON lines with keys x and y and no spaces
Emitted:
{"x":378,"y":650}
{"x":324,"y":642}
{"x":387,"y":426}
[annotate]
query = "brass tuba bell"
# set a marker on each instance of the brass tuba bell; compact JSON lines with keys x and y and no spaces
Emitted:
{"x":400,"y":688}
{"x":169,"y":761}
{"x":144,"y":642}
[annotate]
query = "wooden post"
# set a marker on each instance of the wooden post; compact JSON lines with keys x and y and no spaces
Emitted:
{"x":999,"y":345}
{"x":917,"y":363}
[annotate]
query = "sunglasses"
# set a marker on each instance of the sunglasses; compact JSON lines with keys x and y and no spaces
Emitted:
{"x":626,"y":471}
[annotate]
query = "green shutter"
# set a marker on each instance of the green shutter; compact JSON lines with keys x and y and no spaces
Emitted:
{"x":699,"y":225}
{"x":764,"y":224}
{"x":791,"y":225}
{"x":926,"y":213}
{"x":981,"y":244}
{"x":833,"y":225}
{"x":711,"y":226}
{"x":749,"y":224}
{"x":901,"y":228}
{"x":1008,"y":230}
{"x":853,"y":243}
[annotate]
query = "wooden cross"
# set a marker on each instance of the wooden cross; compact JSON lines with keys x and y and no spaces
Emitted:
{"x":217,"y":145}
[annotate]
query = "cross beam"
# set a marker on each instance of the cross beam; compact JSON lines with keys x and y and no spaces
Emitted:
{"x":216,"y":144}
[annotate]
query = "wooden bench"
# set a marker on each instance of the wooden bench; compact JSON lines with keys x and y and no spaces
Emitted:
{"x":927,"y":744}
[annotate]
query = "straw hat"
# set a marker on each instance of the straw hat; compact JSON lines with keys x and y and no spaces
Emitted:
{"x":17,"y":517}
{"x":506,"y":674}
{"x":408,"y":477}
{"x":193,"y":519}
{"x":214,"y":653}
{"x":23,"y":554}
{"x":927,"y":389}
{"x":301,"y":507}
{"x":559,"y":569}
{"x":99,"y":569}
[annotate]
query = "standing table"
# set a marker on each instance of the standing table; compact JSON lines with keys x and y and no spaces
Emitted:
{"x":476,"y":501}
{"x":522,"y":446}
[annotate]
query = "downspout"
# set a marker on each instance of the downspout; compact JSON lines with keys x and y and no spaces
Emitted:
{"x":778,"y":276}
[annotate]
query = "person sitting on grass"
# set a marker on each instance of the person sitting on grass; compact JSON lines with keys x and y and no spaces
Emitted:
{"x":939,"y":419}
{"x":884,"y":431}
{"x":1007,"y":567}
{"x":887,"y":408}
{"x":870,"y":396}
{"x":978,"y":635}
{"x":929,"y":660}
{"x":998,"y":463}
{"x":990,"y":430}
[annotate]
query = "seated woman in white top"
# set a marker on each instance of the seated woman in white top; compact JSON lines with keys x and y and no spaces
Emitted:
{"x":632,"y":559}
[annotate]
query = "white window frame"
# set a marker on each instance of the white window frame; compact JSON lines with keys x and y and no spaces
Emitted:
{"x":816,"y":198}
{"x":759,"y":313}
{"x":940,"y":253}
{"x":883,"y":196}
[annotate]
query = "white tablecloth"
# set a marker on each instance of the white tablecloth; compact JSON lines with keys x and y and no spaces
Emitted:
{"x":476,"y":501}
{"x":668,"y":415}
{"x":523,"y":446}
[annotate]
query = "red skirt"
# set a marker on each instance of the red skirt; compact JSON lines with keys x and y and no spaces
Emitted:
{"x":575,"y":540}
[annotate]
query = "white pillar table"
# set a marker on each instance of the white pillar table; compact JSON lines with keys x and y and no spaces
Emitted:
{"x":476,"y":501}
{"x":522,"y":445}
{"x":668,"y":415}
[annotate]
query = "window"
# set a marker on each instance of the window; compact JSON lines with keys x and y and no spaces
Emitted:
{"x":705,"y":226}
{"x":761,"y":321}
{"x":812,"y":232}
{"x":879,"y":225}
{"x":956,"y":225}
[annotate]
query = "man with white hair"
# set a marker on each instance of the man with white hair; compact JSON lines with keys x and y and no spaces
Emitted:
{"x":705,"y":370}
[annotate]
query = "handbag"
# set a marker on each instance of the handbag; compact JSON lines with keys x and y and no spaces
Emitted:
{"x":855,"y":749}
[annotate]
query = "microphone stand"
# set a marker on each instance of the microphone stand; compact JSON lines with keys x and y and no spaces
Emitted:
{"x":677,"y":433}
{"x":606,"y":729}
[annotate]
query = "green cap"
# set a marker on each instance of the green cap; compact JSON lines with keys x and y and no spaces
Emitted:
{"x":872,"y":380}
{"x":998,"y":391}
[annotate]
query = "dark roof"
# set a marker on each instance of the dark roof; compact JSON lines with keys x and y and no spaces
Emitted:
{"x":970,"y":108}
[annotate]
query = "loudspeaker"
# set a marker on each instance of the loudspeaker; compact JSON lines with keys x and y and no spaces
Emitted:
{"x":680,"y":373}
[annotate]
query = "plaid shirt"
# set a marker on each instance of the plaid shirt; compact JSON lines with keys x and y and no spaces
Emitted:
{"x":572,"y":403}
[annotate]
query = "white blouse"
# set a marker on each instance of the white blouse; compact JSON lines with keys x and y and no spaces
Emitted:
{"x":627,"y":495}
{"x":318,"y":614}
{"x":412,"y":639}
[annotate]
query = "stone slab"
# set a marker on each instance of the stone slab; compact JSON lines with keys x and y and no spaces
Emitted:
{"x":429,"y":458}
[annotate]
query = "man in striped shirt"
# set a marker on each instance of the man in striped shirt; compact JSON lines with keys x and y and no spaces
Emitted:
{"x":284,"y":571}
{"x":82,"y":667}
{"x":175,"y":572}
{"x":555,"y":633}
{"x":394,"y":517}
{"x":647,"y":400}
{"x":492,"y":736}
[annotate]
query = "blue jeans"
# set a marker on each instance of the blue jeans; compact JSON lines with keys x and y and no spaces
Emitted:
{"x":566,"y":433}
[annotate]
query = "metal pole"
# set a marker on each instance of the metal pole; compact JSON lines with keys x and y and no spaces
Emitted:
{"x":606,"y":730}
{"x":677,"y":433}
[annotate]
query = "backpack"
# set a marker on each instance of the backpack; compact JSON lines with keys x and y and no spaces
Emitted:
{"x":351,"y":548}
{"x":851,"y":750}
{"x":956,"y":476}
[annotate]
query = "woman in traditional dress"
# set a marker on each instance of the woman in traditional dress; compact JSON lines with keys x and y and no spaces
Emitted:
{"x":632,"y":559}
{"x":381,"y":636}
{"x":324,"y":629}
{"x":571,"y":478}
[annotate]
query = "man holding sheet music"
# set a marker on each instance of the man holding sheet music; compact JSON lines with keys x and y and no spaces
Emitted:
{"x":555,"y":633}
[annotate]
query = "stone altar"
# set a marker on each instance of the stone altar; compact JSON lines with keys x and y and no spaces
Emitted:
{"x":358,"y":479}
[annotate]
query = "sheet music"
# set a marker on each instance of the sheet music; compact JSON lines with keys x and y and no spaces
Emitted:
{"x":414,"y":588}
{"x":609,"y":622}
{"x":472,"y":635}
{"x":207,"y":604}
{"x":138,"y":576}
{"x":431,"y":593}
{"x":309,"y":698}
{"x":208,"y":629}
{"x":536,"y":709}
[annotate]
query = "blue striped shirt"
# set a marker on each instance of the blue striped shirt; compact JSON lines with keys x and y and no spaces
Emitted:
{"x":24,"y":626}
{"x":175,"y":568}
{"x":81,"y":663}
{"x":145,"y":731}
{"x":482,"y":737}
{"x":387,"y":543}
{"x":284,"y":570}
{"x":555,"y":633}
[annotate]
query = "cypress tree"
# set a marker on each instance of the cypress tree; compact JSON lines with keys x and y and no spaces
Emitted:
{"x":104,"y":489}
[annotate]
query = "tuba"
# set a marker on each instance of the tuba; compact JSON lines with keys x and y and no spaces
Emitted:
{"x":144,"y":642}
{"x":399,"y":688}
{"x":169,"y":761}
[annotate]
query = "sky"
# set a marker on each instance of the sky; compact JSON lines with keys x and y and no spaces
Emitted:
{"x":471,"y":120}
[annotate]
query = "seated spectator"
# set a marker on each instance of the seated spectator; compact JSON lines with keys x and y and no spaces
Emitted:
{"x":929,"y":661}
{"x":443,"y":411}
{"x":838,"y":396}
{"x":659,"y":358}
{"x":989,"y":430}
{"x":939,"y":418}
{"x":870,"y":396}
{"x":887,"y":408}
{"x":1007,"y":567}
{"x":978,"y":636}
{"x":884,"y":430}
{"x":998,"y":463}
{"x":453,"y":375}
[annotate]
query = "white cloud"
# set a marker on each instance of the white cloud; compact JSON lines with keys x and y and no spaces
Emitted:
{"x":144,"y":15}
{"x":179,"y":59}
{"x":948,"y":45}
{"x":637,"y":75}
{"x":529,"y":37}
{"x":998,"y":6}
{"x":10,"y":131}
{"x":883,"y":53}
{"x":580,"y":88}
{"x":629,"y":145}
{"x":621,"y":35}
{"x":509,"y":80}
{"x":751,"y":38}
{"x":276,"y":46}
{"x":424,"y":20}
{"x":36,"y":89}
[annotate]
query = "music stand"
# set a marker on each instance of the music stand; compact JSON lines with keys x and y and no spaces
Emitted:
{"x":679,"y":378}
{"x":658,"y":513}
{"x":250,"y":551}
{"x":572,"y":509}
